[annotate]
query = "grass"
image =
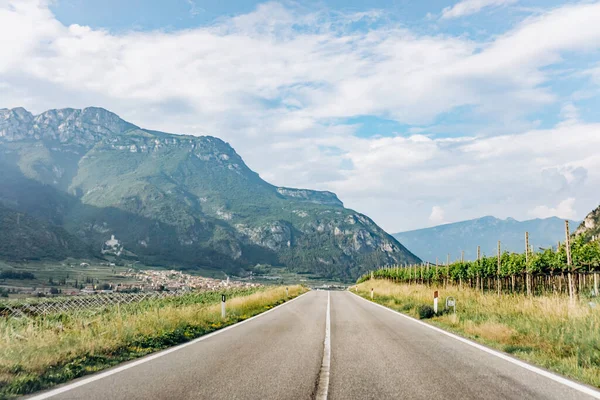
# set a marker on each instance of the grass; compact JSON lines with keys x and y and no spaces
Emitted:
{"x":38,"y":353}
{"x":546,"y":331}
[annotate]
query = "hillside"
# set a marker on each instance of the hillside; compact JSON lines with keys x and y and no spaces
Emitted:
{"x":439,"y":241}
{"x":177,"y":199}
{"x":590,"y":227}
{"x":23,"y":237}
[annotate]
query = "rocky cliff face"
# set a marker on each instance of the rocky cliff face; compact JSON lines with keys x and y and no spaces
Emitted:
{"x":65,"y":126}
{"x":179,"y":199}
{"x":590,"y":227}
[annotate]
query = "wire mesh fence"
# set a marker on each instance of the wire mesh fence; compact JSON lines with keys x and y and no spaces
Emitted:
{"x":36,"y":307}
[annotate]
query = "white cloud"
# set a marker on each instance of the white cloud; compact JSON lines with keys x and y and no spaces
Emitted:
{"x":563,"y":210}
{"x":194,"y":9}
{"x":469,"y":7}
{"x":437,"y":215}
{"x":502,"y":176}
{"x":277,"y":83}
{"x":594,"y":74}
{"x":570,"y":114}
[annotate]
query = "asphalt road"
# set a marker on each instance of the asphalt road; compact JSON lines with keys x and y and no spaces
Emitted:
{"x":374,"y":354}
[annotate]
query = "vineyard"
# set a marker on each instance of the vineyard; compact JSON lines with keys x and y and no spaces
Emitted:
{"x":570,"y":268}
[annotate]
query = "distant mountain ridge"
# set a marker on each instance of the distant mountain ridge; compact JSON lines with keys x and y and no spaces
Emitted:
{"x":176,"y":199}
{"x":439,"y":241}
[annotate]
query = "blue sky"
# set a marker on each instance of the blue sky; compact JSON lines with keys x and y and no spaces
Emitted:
{"x":414,"y":112}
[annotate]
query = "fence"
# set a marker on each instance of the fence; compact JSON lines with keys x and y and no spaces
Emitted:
{"x":35,"y":307}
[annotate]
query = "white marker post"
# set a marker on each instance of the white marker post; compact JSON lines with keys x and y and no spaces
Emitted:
{"x":451,"y":302}
{"x":371,"y":293}
{"x":223,"y":313}
{"x":287,"y":293}
{"x":435,"y":301}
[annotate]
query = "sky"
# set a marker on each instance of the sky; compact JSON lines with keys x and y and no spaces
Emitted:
{"x":416,"y":113}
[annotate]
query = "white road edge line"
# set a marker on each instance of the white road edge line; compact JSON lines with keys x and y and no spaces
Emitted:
{"x":154,"y":356}
{"x":323,"y":385}
{"x":557,"y":378}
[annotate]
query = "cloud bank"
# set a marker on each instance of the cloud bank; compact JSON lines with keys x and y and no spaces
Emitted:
{"x":287,"y":88}
{"x":469,"y":7}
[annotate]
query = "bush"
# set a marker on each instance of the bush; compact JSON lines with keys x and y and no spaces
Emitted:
{"x":425,"y":312}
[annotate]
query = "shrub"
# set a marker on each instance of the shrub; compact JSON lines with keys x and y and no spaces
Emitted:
{"x":425,"y":311}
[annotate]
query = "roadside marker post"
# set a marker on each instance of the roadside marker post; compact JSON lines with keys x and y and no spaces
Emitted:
{"x":451,"y":302}
{"x":435,"y":301}
{"x":223,"y":312}
{"x":371,"y":293}
{"x":287,"y":293}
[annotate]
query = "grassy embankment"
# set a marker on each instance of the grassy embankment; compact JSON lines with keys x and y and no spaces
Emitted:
{"x":42,"y":352}
{"x":546,"y":331}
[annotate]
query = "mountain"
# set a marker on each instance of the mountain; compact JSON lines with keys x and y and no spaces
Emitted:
{"x":177,"y":199}
{"x":439,"y":241}
{"x":590,"y":227}
{"x":23,"y":237}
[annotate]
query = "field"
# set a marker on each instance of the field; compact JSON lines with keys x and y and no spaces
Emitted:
{"x":41,"y":352}
{"x":63,"y":275}
{"x":70,"y":274}
{"x":543,"y":330}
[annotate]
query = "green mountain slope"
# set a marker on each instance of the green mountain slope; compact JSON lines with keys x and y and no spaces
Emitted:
{"x":176,"y":199}
{"x":23,"y":237}
{"x":439,"y":241}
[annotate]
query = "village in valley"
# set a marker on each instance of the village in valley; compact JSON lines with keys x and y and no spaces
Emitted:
{"x":175,"y":280}
{"x":83,"y":278}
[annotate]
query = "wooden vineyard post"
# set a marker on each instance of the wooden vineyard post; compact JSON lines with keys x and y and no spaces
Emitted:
{"x":498,"y":283}
{"x":448,"y":268}
{"x":479,"y":279}
{"x":527,"y":281}
{"x":436,"y":269}
{"x":569,"y":272}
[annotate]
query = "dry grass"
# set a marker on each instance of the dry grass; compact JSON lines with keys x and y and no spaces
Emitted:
{"x":491,"y":331}
{"x":32,"y":349}
{"x":544,"y":330}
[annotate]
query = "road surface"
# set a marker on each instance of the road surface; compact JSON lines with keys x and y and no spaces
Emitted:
{"x":373,"y":354}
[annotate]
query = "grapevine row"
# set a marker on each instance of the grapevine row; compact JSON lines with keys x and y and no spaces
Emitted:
{"x":533,"y":273}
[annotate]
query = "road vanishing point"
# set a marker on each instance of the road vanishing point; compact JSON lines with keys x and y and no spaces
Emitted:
{"x":325,"y":345}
